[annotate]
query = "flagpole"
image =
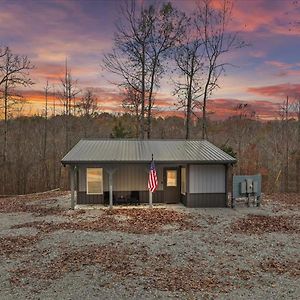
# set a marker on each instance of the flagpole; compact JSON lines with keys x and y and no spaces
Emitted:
{"x":150,"y":193}
{"x":150,"y":199}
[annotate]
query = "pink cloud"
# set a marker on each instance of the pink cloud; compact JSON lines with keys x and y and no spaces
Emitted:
{"x":277,"y":91}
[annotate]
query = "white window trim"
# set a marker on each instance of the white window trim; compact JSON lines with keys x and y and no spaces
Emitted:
{"x":87,"y":185}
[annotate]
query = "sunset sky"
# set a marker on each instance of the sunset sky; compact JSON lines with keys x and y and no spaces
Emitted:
{"x":49,"y":31}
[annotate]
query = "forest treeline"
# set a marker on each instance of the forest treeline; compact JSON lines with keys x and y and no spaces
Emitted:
{"x":33,"y":161}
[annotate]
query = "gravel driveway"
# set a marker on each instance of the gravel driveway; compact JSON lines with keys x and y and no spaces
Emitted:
{"x":50,"y":252}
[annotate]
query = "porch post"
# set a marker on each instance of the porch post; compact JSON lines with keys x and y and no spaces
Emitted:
{"x":72,"y":181}
{"x":110,"y":172}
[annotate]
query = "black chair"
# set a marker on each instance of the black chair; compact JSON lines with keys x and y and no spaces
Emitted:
{"x":134,"y":198}
{"x":106,"y":198}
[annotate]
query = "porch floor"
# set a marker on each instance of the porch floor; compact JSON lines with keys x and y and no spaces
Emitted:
{"x":144,"y":205}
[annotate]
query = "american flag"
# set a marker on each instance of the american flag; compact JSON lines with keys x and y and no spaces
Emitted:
{"x":152,"y":181}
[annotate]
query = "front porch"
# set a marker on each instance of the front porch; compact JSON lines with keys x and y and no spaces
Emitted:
{"x":117,"y":184}
{"x":194,"y":185}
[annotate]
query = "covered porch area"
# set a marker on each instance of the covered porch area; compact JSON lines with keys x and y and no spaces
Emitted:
{"x":126,"y":184}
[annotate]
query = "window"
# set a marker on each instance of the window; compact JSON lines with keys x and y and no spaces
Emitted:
{"x":171,"y":177}
{"x":183,"y":181}
{"x":94,"y":181}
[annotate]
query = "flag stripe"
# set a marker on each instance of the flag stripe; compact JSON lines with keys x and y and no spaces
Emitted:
{"x":152,"y":181}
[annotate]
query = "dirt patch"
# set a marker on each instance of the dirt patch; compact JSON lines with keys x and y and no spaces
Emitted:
{"x":260,"y":224}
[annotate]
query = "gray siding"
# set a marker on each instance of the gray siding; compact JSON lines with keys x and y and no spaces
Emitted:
{"x":127,"y":177}
{"x":206,"y":200}
{"x":83,"y":198}
{"x":207,"y":179}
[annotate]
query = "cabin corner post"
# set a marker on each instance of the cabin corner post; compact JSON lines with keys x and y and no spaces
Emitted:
{"x":110,"y":182}
{"x":227,"y":170}
{"x":72,"y":183}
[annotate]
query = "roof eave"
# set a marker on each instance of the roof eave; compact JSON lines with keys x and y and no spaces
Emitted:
{"x":89,"y":162}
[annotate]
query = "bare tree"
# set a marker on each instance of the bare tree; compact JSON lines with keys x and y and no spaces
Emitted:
{"x":143,"y":41}
{"x":296,"y":110}
{"x":68,"y":92}
{"x":240,"y":131}
{"x":189,"y":62}
{"x":212,"y":29}
{"x":14,"y":70}
{"x":128,"y":58}
{"x":45,"y":136}
{"x":46,"y":89}
{"x":88,"y":104}
{"x":132,"y":103}
{"x":167,"y":32}
{"x":67,"y":95}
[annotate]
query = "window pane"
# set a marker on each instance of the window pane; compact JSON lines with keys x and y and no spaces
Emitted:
{"x":94,"y":180}
{"x":171,"y":178}
{"x":183,"y":181}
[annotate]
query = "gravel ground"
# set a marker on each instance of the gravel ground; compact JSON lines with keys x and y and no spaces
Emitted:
{"x":49,"y":252}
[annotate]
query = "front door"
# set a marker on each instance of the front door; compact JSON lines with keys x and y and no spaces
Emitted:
{"x":171,"y":185}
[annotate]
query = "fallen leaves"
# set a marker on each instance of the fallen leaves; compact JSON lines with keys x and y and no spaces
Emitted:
{"x":108,"y":257}
{"x":12,"y":245}
{"x":137,"y":221}
{"x":260,"y":224}
{"x":157,"y":271}
{"x":32,"y":203}
{"x":285,"y":200}
{"x":289,"y":267}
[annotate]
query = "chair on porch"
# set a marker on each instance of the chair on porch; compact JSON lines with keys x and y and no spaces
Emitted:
{"x":134,"y":198}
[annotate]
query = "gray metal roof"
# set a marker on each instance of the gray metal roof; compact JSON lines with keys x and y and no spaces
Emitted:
{"x":137,"y":151}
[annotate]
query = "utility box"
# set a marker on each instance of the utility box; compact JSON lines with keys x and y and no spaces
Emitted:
{"x":249,"y":186}
{"x":246,"y":186}
{"x":243,"y":187}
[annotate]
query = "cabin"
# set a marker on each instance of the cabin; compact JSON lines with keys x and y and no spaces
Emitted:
{"x":112,"y":171}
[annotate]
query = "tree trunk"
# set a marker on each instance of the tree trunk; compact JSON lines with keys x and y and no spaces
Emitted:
{"x":150,"y":99}
{"x":189,"y":111}
{"x":204,"y":121}
{"x":5,"y":120}
{"x":142,"y":131}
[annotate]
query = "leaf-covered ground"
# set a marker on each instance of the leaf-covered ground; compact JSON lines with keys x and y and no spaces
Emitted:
{"x":50,"y":252}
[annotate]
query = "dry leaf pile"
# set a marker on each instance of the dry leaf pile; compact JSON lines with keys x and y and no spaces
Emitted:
{"x":25,"y":203}
{"x":260,"y":224}
{"x":138,"y":221}
{"x":287,"y":200}
{"x":107,"y":257}
{"x":289,"y":267}
{"x":12,"y":245}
